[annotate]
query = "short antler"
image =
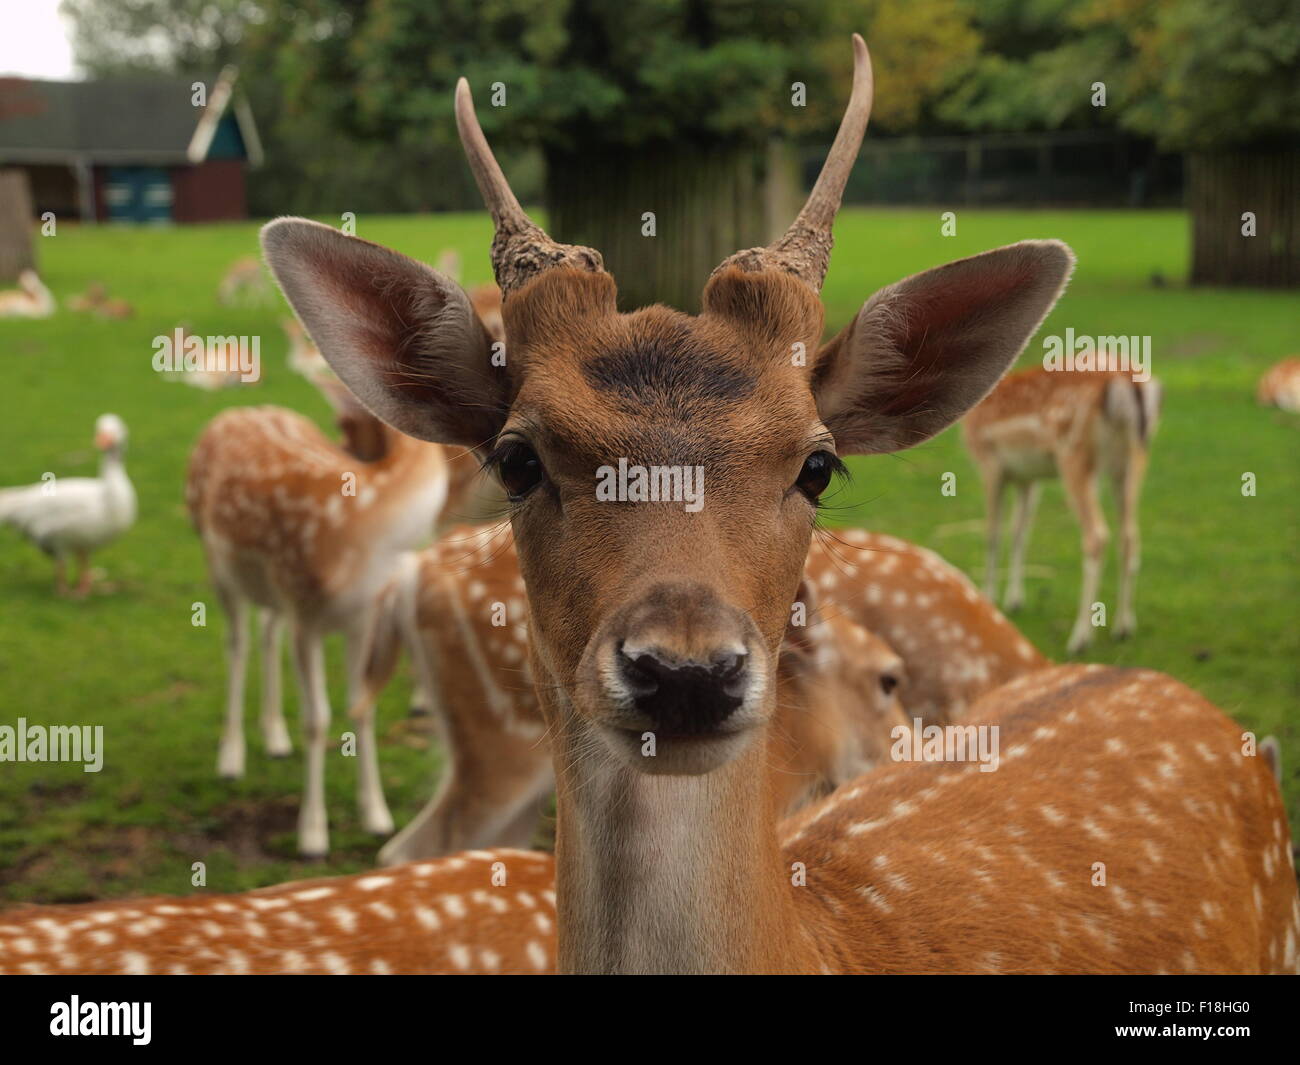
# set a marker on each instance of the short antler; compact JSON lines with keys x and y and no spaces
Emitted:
{"x":805,"y":248}
{"x":521,"y":250}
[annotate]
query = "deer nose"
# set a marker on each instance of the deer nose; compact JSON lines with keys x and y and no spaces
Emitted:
{"x":684,"y":698}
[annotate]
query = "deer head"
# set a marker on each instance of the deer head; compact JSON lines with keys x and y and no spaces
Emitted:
{"x":650,"y":616}
{"x":663,"y":617}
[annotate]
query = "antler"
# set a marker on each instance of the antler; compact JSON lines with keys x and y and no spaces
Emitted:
{"x":805,"y":249}
{"x":521,"y":250}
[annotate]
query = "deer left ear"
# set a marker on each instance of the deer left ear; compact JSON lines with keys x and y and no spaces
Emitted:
{"x":922,"y":352}
{"x":403,"y":338}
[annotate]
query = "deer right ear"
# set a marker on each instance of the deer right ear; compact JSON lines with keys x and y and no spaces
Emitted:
{"x":402,"y":337}
{"x":922,"y":352}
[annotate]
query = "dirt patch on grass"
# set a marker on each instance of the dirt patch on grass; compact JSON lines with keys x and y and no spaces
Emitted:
{"x":109,"y":861}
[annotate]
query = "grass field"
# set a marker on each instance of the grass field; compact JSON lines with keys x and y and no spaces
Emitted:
{"x":1218,"y":602}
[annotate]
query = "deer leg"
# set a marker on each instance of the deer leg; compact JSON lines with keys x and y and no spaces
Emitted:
{"x":309,"y":664}
{"x":1026,"y":504}
{"x":426,"y":836}
{"x":230,"y":754}
{"x":275,"y":735}
{"x":83,"y":583}
{"x":1128,"y":487}
{"x":375,"y":817}
{"x":1080,"y":480}
{"x":994,"y":484}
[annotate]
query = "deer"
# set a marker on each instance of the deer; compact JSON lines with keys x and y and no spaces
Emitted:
{"x":485,"y":913}
{"x":654,"y":630}
{"x":954,"y":643}
{"x":482,"y":912}
{"x":1041,"y":423}
{"x":245,"y":284}
{"x":458,"y":607}
{"x":1280,"y":386}
{"x":31,"y":299}
{"x":294,"y":525}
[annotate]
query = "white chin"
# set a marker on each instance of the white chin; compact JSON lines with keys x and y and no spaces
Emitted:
{"x":676,"y":755}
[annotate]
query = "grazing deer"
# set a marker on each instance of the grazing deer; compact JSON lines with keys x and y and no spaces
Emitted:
{"x":31,"y":299}
{"x":459,"y":608}
{"x":96,"y":300}
{"x":485,"y":912}
{"x":293,"y":524}
{"x":1280,"y":387}
{"x":1038,"y":424}
{"x":200,"y":376}
{"x":648,"y":617}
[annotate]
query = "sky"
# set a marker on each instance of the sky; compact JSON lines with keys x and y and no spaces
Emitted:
{"x":35,"y":41}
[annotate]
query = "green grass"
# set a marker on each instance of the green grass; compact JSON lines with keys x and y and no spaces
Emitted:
{"x":1217,"y":603}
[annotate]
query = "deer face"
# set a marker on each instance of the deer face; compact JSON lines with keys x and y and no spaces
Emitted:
{"x":654,"y":614}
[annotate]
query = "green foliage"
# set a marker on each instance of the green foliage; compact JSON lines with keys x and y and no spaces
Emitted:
{"x":1216,"y":598}
{"x":1192,"y":74}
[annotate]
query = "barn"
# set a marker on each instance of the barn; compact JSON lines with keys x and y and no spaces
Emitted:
{"x":158,"y":151}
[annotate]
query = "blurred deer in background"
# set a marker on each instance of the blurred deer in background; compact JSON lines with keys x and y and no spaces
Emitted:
{"x":300,"y":528}
{"x":1280,"y":387}
{"x":1076,"y":425}
{"x":31,"y":299}
{"x":245,"y":284}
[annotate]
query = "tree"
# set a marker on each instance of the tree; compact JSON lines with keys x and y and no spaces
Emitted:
{"x":114,"y":38}
{"x":655,"y":117}
{"x":1218,"y":81}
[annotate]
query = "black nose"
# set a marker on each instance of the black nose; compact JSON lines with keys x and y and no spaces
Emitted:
{"x":684,"y":698}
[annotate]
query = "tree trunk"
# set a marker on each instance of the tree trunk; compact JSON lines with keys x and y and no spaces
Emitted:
{"x":1222,"y":188}
{"x":16,"y":250}
{"x":705,"y":203}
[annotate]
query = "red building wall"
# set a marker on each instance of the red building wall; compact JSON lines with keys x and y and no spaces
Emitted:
{"x":210,"y":192}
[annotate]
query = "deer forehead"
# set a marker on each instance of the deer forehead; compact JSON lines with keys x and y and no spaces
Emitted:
{"x":663,"y":380}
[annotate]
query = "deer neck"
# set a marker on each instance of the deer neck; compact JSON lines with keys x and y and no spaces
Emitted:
{"x":670,"y":874}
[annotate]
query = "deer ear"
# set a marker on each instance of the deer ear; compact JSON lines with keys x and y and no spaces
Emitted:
{"x":402,"y":337}
{"x":922,"y":352}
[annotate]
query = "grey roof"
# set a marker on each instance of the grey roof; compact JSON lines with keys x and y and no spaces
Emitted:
{"x":103,"y":121}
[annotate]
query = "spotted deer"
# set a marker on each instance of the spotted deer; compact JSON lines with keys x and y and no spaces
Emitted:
{"x":484,"y":912}
{"x":954,"y":643}
{"x":652,"y":618}
{"x":459,"y":608}
{"x":1038,"y":424}
{"x":294,"y":525}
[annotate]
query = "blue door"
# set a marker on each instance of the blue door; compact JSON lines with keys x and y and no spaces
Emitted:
{"x":138,"y":194}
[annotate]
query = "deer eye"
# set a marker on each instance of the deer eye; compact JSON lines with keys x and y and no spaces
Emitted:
{"x":888,"y":683}
{"x":818,"y":469}
{"x":519,"y":468}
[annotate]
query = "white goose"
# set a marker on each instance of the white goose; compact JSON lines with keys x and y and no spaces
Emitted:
{"x":76,"y":515}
